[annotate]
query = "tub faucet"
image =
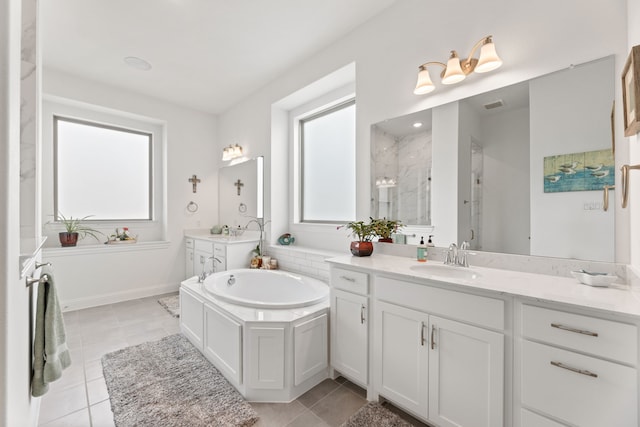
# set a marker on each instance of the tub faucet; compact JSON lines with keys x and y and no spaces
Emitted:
{"x":452,"y":255}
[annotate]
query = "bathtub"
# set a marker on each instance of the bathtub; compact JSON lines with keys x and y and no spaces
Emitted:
{"x":267,"y":289}
{"x":266,"y":331}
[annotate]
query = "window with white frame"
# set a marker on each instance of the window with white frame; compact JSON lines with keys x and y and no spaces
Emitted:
{"x":102,"y":171}
{"x":326,"y":175}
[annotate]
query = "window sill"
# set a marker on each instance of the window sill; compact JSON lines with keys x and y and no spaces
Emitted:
{"x":102,"y":249}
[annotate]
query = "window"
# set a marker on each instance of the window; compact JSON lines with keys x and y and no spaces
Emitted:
{"x":327,"y":179}
{"x":101,"y":170}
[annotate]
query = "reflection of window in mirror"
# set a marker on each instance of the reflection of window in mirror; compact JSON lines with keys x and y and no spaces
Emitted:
{"x":401,"y":169}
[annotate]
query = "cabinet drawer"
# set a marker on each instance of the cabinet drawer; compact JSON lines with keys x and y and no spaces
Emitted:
{"x":204,"y":246}
{"x":579,"y":389}
{"x":480,"y":310}
{"x":352,"y":281}
{"x":603,"y":338}
{"x":188,"y":243}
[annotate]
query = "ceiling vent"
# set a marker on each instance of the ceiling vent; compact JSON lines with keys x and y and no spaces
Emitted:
{"x":494,"y":104}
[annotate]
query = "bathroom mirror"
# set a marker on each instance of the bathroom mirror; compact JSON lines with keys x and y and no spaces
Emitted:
{"x":241,"y":192}
{"x":501,"y":139}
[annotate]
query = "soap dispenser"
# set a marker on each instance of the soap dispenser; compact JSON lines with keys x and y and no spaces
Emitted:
{"x":430,"y":242}
{"x":421,"y":254}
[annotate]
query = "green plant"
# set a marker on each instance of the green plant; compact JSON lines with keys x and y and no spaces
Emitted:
{"x":384,"y":228}
{"x":75,"y":225}
{"x":364,"y":232}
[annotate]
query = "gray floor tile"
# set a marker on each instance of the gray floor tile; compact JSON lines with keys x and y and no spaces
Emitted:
{"x":97,"y":391}
{"x":101,"y":415}
{"x":56,"y":404}
{"x":320,"y":391}
{"x":307,"y":419}
{"x":337,"y":406}
{"x":75,"y":419}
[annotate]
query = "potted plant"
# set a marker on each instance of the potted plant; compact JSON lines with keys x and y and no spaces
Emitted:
{"x":75,"y":230}
{"x":384,"y":228}
{"x":364,"y":233}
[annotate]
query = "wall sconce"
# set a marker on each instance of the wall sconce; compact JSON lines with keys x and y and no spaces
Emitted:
{"x":456,"y":70}
{"x":231,"y":152}
{"x":385,"y":182}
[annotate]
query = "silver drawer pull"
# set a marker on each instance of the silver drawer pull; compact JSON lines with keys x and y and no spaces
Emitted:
{"x":362,"y":309}
{"x":348,"y":279}
{"x":422,"y":340}
{"x":576,"y":370}
{"x":577,"y":331}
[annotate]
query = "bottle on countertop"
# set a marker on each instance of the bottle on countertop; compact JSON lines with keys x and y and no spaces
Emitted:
{"x":421,"y":254}
{"x":430,"y":242}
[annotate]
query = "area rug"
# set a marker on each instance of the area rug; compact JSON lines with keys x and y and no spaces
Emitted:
{"x":373,"y":414}
{"x":169,"y":383}
{"x":171,"y":304}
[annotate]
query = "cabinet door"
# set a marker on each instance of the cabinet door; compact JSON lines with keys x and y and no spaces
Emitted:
{"x":349,"y":335}
{"x":223,"y":343}
{"x":402,"y":356}
{"x":202,"y":262}
{"x":192,"y":317}
{"x":466,"y":375}
{"x":188,"y":263}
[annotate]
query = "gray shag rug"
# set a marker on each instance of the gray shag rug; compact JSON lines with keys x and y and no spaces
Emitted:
{"x":169,"y":383}
{"x":171,"y":304}
{"x":373,"y":414}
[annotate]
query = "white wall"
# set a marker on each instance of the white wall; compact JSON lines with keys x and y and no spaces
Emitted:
{"x":506,"y":208}
{"x":92,"y":275}
{"x":560,"y":226}
{"x":388,"y":49}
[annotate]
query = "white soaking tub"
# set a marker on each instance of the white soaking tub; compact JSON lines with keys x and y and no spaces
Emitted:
{"x":266,"y":331}
{"x":265,"y":288}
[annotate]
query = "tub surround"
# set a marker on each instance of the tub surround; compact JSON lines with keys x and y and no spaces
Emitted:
{"x":542,"y":349}
{"x":268,"y":355}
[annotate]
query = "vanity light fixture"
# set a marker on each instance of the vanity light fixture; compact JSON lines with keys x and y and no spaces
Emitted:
{"x":231,"y":152}
{"x":385,"y":182}
{"x":417,"y":125}
{"x":455,"y":70}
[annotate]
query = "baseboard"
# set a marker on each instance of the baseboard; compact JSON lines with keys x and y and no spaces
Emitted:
{"x":115,"y":297}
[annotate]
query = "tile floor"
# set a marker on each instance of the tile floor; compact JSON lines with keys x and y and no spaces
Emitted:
{"x":80,"y":398}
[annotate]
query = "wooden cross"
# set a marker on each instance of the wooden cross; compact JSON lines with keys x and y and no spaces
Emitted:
{"x":239,"y":184}
{"x":194,"y":180}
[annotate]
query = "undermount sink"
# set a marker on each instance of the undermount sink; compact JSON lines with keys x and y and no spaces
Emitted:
{"x":442,"y":270}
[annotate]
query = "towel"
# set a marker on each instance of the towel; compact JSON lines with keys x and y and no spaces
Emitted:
{"x":50,"y":352}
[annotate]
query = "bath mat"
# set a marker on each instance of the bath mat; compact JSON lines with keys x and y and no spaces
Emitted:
{"x":373,"y":414}
{"x":169,"y":383}
{"x":171,"y":304}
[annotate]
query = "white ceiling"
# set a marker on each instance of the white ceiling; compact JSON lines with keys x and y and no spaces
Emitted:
{"x":206,"y":54}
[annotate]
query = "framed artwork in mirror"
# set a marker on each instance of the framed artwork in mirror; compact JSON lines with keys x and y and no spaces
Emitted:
{"x":631,"y":92}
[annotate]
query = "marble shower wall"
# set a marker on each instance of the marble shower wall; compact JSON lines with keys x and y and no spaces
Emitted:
{"x":407,"y":160}
{"x":29,"y":132}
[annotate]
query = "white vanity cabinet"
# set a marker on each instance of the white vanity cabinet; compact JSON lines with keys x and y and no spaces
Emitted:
{"x":203,"y":257}
{"x":189,"y":256}
{"x":350,"y":324}
{"x":576,"y":369}
{"x":440,"y":353}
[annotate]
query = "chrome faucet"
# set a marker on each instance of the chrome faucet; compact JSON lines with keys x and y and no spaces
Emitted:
{"x":452,"y":255}
{"x":462,"y":254}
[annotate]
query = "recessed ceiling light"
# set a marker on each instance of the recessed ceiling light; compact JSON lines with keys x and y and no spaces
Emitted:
{"x":417,"y":124}
{"x":137,"y":63}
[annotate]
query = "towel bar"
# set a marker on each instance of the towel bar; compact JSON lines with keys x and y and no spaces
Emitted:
{"x":31,"y":280}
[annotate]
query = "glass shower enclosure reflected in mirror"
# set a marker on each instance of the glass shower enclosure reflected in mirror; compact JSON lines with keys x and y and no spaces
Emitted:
{"x":241,"y":192}
{"x":401,"y":169}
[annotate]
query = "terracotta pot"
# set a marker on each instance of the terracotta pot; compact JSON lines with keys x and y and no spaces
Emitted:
{"x":361,"y":248}
{"x":68,"y":239}
{"x":385,"y":239}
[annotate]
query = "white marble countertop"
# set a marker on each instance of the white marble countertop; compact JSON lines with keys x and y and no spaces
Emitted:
{"x":618,"y":298}
{"x":247,"y":236}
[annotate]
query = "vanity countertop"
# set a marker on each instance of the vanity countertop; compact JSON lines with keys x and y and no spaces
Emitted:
{"x":247,"y":237}
{"x":617,"y":298}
